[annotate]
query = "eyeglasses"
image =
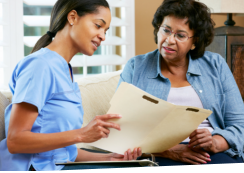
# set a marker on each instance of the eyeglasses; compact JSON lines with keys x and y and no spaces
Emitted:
{"x":180,"y":36}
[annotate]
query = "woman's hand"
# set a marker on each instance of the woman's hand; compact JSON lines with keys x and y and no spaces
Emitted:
{"x":202,"y":138}
{"x":183,"y":153}
{"x":98,"y":128}
{"x":90,"y":156}
{"x":128,"y":155}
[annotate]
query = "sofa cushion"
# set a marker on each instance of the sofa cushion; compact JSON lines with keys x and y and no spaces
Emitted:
{"x":8,"y":95}
{"x":96,"y":93}
{"x":4,"y":102}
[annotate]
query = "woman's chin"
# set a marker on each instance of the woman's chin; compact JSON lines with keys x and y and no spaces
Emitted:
{"x":166,"y":56}
{"x":89,"y":53}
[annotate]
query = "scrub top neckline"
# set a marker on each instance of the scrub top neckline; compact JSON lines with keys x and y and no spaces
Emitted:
{"x":67,"y":66}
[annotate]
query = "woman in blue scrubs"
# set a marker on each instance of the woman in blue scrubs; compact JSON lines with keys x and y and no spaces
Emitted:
{"x":44,"y":121}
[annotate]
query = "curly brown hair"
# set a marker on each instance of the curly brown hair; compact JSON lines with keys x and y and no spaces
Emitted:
{"x":199,"y":20}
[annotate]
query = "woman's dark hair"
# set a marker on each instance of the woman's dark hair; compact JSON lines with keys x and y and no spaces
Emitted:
{"x":199,"y":20}
{"x":59,"y":16}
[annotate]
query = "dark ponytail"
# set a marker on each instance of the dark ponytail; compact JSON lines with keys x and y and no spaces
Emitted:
{"x":59,"y":17}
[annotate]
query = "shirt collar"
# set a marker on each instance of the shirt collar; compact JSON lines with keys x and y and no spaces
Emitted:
{"x":193,"y":67}
{"x":155,"y":71}
{"x":156,"y":66}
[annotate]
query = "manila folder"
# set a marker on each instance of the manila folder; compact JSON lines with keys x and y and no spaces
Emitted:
{"x":148,"y":122}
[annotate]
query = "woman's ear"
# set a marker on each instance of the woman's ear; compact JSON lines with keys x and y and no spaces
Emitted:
{"x":72,"y":17}
{"x":193,"y":47}
{"x":194,"y":43}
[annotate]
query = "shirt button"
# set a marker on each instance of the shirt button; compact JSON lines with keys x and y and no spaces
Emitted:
{"x":200,"y":91}
{"x":189,"y":74}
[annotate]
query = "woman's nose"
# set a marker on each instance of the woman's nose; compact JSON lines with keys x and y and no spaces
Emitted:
{"x":102,"y":36}
{"x":171,"y":39}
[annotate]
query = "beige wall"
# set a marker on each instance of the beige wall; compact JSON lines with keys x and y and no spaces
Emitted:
{"x":144,"y":11}
{"x":219,"y":20}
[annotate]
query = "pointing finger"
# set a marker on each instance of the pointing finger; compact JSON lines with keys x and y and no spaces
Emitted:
{"x":108,"y":116}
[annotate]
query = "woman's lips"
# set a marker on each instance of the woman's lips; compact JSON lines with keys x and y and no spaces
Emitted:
{"x":94,"y":45}
{"x":168,"y":50}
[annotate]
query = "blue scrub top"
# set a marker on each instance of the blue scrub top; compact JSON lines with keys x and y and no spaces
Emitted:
{"x":43,"y":79}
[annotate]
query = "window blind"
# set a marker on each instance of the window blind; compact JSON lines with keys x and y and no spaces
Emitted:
{"x":109,"y":55}
{"x":11,"y":38}
{"x":22,"y":23}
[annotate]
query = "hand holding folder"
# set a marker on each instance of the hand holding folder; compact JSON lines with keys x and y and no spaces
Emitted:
{"x":148,"y":122}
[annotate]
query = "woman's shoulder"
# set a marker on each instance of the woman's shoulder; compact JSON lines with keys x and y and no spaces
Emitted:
{"x":37,"y":61}
{"x":214,"y":63}
{"x":212,"y":57}
{"x":36,"y":57}
{"x":43,"y":58}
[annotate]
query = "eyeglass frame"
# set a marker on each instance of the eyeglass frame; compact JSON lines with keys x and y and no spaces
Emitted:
{"x":174,"y":33}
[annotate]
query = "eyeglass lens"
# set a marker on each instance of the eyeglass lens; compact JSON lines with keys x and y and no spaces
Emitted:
{"x":181,"y":36}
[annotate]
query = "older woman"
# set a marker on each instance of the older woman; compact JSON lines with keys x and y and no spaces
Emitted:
{"x":180,"y":71}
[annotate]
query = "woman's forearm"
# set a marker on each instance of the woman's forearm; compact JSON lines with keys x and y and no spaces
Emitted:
{"x":170,"y":152}
{"x":29,"y":142}
{"x":219,"y":144}
{"x":20,"y":139}
{"x":89,"y":156}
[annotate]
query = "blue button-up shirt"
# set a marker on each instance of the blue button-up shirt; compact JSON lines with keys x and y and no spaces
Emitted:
{"x":212,"y":80}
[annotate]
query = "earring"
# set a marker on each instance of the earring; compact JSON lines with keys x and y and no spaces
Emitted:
{"x":193,"y":47}
{"x":71,"y":24}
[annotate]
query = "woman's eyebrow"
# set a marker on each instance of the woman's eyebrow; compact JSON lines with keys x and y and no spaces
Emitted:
{"x":171,"y":28}
{"x":167,"y":26}
{"x":102,"y":21}
{"x":181,"y":31}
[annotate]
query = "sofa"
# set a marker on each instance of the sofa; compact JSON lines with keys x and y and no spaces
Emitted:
{"x":96,"y":93}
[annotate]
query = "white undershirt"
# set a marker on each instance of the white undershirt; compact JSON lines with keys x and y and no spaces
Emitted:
{"x":187,"y":96}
